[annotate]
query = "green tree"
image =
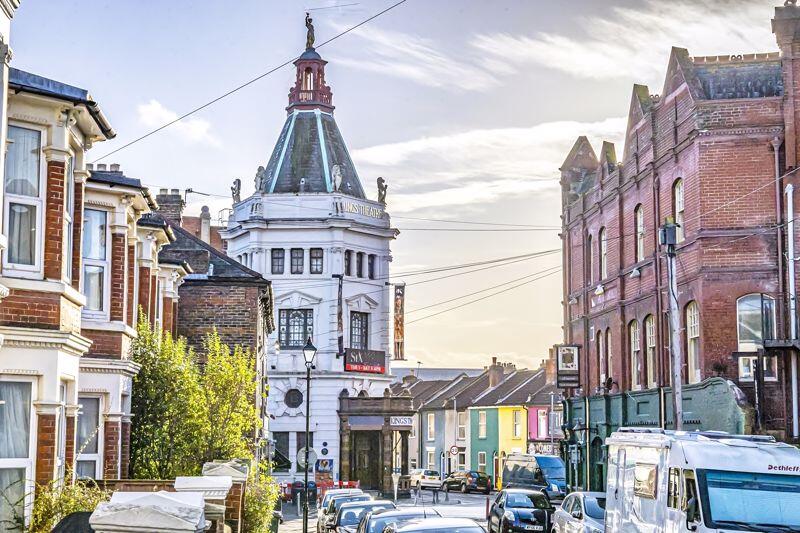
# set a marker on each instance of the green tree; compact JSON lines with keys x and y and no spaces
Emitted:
{"x":168,"y":407}
{"x":229,"y":382}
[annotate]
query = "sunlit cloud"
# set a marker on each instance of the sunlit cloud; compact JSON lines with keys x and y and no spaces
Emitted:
{"x":635,"y":42}
{"x":482,"y":165}
{"x":192,"y":130}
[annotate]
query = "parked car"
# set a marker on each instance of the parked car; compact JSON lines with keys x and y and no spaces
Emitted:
{"x":377,"y":521}
{"x":333,"y":507}
{"x":421,"y":478}
{"x":545,"y":473}
{"x":520,"y":510}
{"x":437,"y":525}
{"x":581,"y":511}
{"x":349,"y":514}
{"x":467,"y":480}
{"x":326,"y":499}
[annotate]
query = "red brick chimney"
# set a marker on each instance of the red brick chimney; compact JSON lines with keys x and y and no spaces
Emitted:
{"x":550,"y":367}
{"x":170,"y":204}
{"x":786,"y":27}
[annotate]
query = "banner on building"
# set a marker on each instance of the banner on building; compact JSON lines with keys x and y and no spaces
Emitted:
{"x":568,"y":367}
{"x":399,"y":321}
{"x":339,"y":319}
{"x":371,"y":361}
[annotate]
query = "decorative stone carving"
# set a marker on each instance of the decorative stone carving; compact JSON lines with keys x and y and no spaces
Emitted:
{"x":382,"y":188}
{"x":235,"y":469}
{"x":211,"y":487}
{"x":261,"y":178}
{"x":236,"y":191}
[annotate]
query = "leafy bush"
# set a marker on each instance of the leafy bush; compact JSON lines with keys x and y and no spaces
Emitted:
{"x":260,"y":500}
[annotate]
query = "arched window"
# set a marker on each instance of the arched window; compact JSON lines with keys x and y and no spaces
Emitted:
{"x":603,"y":249}
{"x":638,"y":218}
{"x":601,"y":357}
{"x":589,"y":260}
{"x":609,"y":355}
{"x":308,"y":79}
{"x":650,"y":346}
{"x":677,"y":208}
{"x":693,"y":343}
{"x":755,"y":321}
{"x":635,"y":354}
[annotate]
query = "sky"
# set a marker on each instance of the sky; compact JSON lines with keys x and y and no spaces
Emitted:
{"x":466,"y":107}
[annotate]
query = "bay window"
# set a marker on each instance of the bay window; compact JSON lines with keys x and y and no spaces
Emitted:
{"x":88,"y":439}
{"x":96,"y":268}
{"x":16,"y":462}
{"x":294,"y":327}
{"x":23,"y":199}
{"x":359,"y":330}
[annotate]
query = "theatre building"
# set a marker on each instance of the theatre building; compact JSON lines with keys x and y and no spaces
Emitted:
{"x":313,"y":230}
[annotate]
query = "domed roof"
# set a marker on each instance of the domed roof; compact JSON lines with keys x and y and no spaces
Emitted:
{"x":311,"y":157}
{"x":310,"y":53}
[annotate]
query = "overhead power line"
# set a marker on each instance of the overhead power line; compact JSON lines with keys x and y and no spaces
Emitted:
{"x":245,"y":84}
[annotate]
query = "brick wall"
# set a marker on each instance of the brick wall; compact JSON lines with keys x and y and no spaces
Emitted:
{"x":232,"y":309}
{"x":119,"y":255}
{"x":54,"y":221}
{"x":77,"y":241}
{"x":31,"y":309}
{"x":108,"y":343}
{"x":131,"y":285}
{"x":145,"y":288}
{"x":167,"y":321}
{"x":111,"y":449}
{"x":45,"y":449}
{"x":125,"y":449}
{"x":69,"y":449}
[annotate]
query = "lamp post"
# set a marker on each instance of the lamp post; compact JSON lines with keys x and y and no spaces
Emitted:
{"x":309,"y":351}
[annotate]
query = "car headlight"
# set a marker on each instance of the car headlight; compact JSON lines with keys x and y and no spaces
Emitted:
{"x":509,"y":516}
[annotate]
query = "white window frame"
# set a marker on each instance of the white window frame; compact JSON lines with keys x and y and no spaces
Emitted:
{"x":431,"y":429}
{"x":105,"y":312}
{"x":97,"y":458}
{"x":430,"y":464}
{"x":481,"y":424}
{"x":609,"y":355}
{"x":635,"y":348}
{"x":679,"y":207}
{"x":692,"y":317}
{"x":602,"y":242}
{"x":542,"y":429}
{"x":461,"y":460}
{"x":638,"y":216}
{"x":516,"y":422}
{"x":36,"y":270}
{"x":481,"y":461}
{"x":461,"y":420}
{"x":26,"y":463}
{"x":650,"y":350}
{"x":602,"y":361}
{"x":69,"y":214}
{"x":769,"y":361}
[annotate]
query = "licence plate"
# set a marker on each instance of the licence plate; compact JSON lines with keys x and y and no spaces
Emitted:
{"x":533,"y":528}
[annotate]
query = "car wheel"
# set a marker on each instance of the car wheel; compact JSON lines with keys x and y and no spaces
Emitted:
{"x":464,"y":488}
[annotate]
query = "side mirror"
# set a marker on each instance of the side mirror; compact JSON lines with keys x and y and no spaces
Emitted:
{"x":577,"y":514}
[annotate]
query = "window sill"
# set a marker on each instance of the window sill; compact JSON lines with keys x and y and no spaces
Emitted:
{"x":57,"y":287}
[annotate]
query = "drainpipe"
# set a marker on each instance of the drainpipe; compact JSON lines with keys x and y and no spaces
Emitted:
{"x":792,"y":301}
{"x":455,"y":423}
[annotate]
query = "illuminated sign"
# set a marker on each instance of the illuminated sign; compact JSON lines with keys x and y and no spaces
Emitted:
{"x":371,"y":361}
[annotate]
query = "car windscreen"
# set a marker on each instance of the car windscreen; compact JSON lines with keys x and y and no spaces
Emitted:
{"x":553,"y":467}
{"x":595,"y":507}
{"x":461,"y":529}
{"x":378,"y":523}
{"x":527,"y":501}
{"x":350,"y":516}
{"x":432,"y":473}
{"x":748,"y":500}
{"x":337,"y":502}
{"x":476,"y":474}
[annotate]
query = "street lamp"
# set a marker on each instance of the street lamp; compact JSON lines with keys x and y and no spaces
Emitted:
{"x":309,"y":351}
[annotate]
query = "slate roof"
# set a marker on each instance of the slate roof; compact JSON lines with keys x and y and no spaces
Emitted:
{"x":510,"y":384}
{"x":535,"y":391}
{"x":19,"y":80}
{"x":433,"y":374}
{"x":421,"y":390}
{"x":309,"y":148}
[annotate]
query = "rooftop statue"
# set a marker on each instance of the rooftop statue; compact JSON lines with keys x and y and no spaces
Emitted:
{"x":310,"y":34}
{"x":236,"y":191}
{"x":382,"y":188}
{"x":261,"y":178}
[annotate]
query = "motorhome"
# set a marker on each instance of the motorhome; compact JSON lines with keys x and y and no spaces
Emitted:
{"x":676,"y":481}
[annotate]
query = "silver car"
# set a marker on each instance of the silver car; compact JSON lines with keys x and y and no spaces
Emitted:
{"x":581,"y":512}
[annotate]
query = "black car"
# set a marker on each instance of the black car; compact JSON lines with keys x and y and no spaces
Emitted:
{"x":467,"y":480}
{"x":520,"y":510}
{"x":377,"y":521}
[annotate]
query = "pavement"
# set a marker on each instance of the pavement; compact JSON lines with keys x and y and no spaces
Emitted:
{"x":459,"y":506}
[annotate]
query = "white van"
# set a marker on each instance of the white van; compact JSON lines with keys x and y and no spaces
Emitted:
{"x":668,"y":481}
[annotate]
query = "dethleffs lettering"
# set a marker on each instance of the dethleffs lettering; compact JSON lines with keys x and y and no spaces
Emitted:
{"x":362,"y":209}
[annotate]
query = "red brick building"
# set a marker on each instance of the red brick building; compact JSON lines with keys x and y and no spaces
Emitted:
{"x":715,"y":151}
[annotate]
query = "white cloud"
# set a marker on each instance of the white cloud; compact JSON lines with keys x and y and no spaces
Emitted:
{"x":421,"y":61}
{"x":479,"y":165}
{"x":154,"y":114}
{"x":636,"y":41}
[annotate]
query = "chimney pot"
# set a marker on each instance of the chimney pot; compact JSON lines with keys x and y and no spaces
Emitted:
{"x":114,"y":167}
{"x":101,"y":166}
{"x":175,"y":191}
{"x":89,"y":166}
{"x":163,"y":191}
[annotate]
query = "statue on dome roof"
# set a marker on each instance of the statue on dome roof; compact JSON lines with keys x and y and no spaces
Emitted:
{"x":382,"y":188}
{"x":261,"y":177}
{"x":336,"y":173}
{"x":236,"y":191}
{"x":310,"y":34}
